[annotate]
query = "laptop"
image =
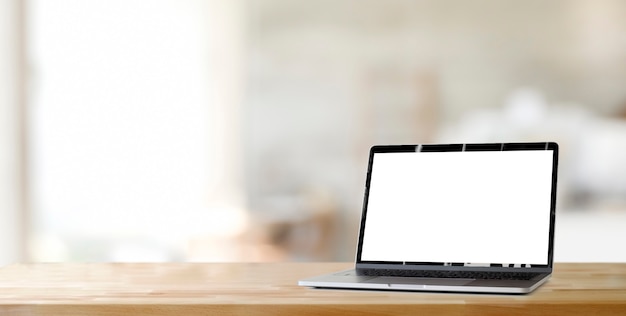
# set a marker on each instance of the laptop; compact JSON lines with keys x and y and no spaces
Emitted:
{"x":455,"y":218}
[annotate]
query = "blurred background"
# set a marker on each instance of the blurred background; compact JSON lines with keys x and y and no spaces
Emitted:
{"x":238,"y":130}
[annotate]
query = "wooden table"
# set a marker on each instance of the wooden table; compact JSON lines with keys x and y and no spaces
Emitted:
{"x":271,"y":289}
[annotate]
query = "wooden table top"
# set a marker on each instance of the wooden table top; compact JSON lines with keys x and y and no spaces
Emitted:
{"x":271,"y":288}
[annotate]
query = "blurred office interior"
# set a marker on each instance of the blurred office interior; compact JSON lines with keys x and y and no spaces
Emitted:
{"x":238,"y":130}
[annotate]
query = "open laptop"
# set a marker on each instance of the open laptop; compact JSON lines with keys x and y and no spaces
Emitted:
{"x":455,"y":217}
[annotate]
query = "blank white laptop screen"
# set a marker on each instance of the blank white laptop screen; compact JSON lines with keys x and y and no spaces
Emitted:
{"x":459,"y":207}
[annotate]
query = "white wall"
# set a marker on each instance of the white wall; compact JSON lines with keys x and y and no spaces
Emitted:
{"x":10,"y":162}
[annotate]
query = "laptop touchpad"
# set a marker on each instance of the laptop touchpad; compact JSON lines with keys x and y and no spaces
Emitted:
{"x":418,"y":281}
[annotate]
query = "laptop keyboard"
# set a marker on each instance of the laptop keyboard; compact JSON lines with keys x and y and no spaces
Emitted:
{"x":451,"y":274}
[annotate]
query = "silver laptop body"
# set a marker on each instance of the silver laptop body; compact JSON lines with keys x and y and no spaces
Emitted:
{"x":455,"y":218}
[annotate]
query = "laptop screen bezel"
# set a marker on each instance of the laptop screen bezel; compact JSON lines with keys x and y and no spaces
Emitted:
{"x":553,"y":146}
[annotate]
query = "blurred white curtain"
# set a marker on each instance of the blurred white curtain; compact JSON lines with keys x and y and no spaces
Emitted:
{"x":133,"y":123}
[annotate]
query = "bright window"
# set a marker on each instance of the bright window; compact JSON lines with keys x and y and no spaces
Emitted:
{"x":127,"y":129}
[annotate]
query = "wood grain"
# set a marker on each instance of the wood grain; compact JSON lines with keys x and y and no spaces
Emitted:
{"x":271,"y":289}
